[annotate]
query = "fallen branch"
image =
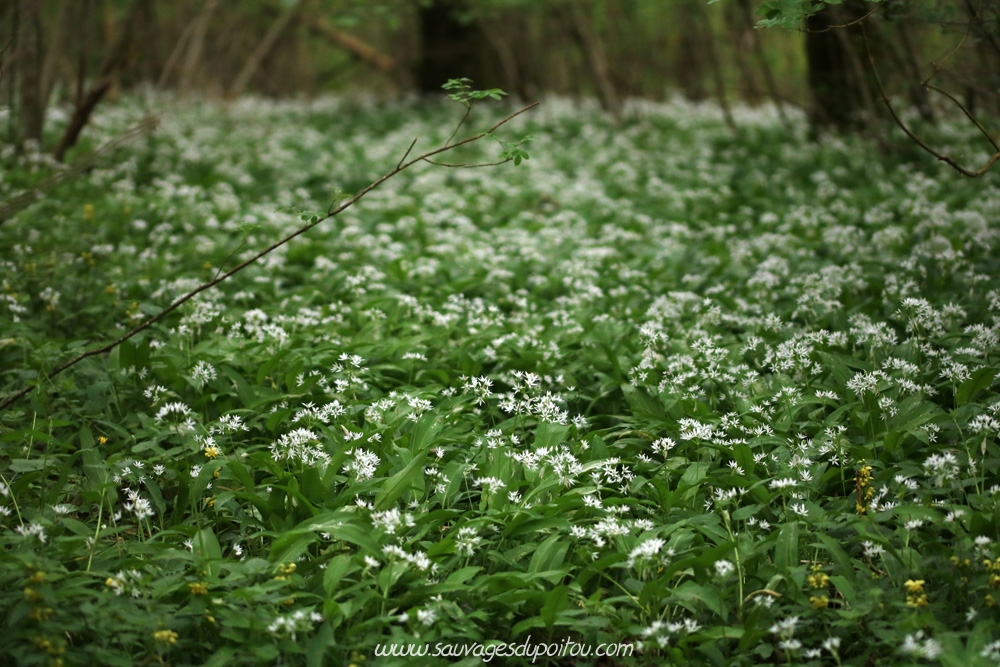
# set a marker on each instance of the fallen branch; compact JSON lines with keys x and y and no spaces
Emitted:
{"x":401,"y":166}
{"x":356,"y":47}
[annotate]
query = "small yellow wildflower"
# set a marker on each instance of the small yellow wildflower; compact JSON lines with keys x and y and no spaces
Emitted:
{"x":211,"y":452}
{"x":49,"y":647}
{"x":820,"y":602}
{"x":166,"y":636}
{"x":863,"y":482}
{"x":198,"y":588}
{"x":37,"y":578}
{"x":287,"y":568}
{"x":819,"y":580}
{"x":101,"y":440}
{"x":40,"y":614}
{"x":915,"y":596}
{"x":31,"y":595}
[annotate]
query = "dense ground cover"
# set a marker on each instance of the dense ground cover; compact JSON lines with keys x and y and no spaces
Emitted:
{"x":724,"y":400}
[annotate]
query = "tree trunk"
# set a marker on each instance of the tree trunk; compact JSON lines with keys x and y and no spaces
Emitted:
{"x":715,"y":67}
{"x":593,"y":51}
{"x":88,"y":101}
{"x":29,"y":40}
{"x":837,"y":90}
{"x":758,"y":46}
{"x":55,"y":50}
{"x":451,"y":48}
{"x":197,"y":45}
{"x":263,"y":50}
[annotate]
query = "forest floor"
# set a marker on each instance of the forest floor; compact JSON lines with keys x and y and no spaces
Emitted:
{"x":660,"y":391}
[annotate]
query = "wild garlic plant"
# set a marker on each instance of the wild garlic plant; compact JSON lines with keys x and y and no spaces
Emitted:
{"x":728,"y":400}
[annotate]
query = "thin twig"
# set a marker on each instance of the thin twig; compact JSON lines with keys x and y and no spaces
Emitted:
{"x":844,"y":25}
{"x":468,"y":110}
{"x":968,"y":114}
{"x":468,"y":166}
{"x":892,"y":111}
{"x":271,"y":248}
{"x":407,"y":153}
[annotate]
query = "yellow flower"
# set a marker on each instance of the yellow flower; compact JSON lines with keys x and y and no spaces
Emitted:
{"x":198,"y":588}
{"x":31,"y":595}
{"x":37,"y":578}
{"x":101,"y":440}
{"x":820,"y":602}
{"x":88,"y":212}
{"x":40,"y":614}
{"x":819,"y":580}
{"x":211,"y":452}
{"x":916,"y":586}
{"x":166,"y":636}
{"x":916,"y":600}
{"x":287,"y":568}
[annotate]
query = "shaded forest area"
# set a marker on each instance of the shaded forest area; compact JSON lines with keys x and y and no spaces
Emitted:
{"x":838,"y":62}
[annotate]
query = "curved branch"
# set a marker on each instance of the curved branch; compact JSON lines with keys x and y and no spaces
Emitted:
{"x":843,"y":25}
{"x":913,"y":137}
{"x":271,"y":248}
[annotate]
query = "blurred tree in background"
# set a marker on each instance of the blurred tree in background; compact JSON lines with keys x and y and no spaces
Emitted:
{"x":835,"y":59}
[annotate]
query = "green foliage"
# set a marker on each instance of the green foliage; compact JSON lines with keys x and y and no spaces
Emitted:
{"x":462,"y":92}
{"x":727,"y":401}
{"x":790,"y":14}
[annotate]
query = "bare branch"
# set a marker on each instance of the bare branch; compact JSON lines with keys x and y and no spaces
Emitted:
{"x":468,"y":166}
{"x":856,"y":21}
{"x":266,"y":251}
{"x":968,"y":114}
{"x":913,"y":137}
{"x":407,"y":153}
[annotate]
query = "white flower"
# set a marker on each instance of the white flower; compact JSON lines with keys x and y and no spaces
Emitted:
{"x":647,"y":549}
{"x":724,"y":568}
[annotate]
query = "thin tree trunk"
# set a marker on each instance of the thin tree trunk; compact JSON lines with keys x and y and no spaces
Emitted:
{"x":263,"y":50}
{"x":90,"y":99}
{"x":716,"y":69}
{"x":593,"y":51}
{"x":55,"y":50}
{"x":30,"y":41}
{"x":918,"y":93}
{"x":175,"y":54}
{"x":505,"y":55}
{"x":765,"y":67}
{"x":197,"y":45}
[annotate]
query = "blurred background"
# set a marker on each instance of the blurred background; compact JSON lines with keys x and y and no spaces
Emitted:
{"x":925,"y":52}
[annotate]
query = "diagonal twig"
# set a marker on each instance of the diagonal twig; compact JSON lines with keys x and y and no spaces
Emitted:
{"x":277,"y":244}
